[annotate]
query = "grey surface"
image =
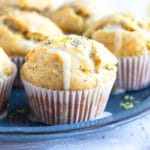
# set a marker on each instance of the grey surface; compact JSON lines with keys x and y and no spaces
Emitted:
{"x":132,"y":136}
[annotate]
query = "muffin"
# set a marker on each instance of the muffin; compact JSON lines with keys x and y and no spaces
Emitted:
{"x":130,"y":43}
{"x":68,"y":80}
{"x":7,"y":75}
{"x":41,"y":6}
{"x":21,"y":30}
{"x":76,"y":16}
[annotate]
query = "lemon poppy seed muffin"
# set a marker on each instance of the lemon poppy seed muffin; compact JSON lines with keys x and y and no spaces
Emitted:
{"x":120,"y":35}
{"x":84,"y":59}
{"x":73,"y":65}
{"x":21,"y":30}
{"x":76,"y":16}
{"x":7,"y":75}
{"x":130,"y":43}
{"x":71,"y":18}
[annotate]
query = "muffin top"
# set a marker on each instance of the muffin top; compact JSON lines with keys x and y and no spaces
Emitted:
{"x":6,"y":66}
{"x":76,"y":16}
{"x":69,"y":63}
{"x":121,"y":35}
{"x":20,"y":30}
{"x":142,"y":22}
{"x":37,"y":5}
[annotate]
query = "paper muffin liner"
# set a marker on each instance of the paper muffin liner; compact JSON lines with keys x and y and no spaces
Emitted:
{"x":5,"y":89}
{"x":64,"y":107}
{"x":19,"y":61}
{"x":133,"y":73}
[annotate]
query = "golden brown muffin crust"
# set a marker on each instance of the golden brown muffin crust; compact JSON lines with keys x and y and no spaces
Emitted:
{"x":72,"y":18}
{"x":127,"y":40}
{"x":71,"y":62}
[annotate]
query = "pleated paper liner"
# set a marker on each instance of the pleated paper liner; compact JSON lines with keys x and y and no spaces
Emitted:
{"x":5,"y":89}
{"x":133,"y":73}
{"x":65,"y":107}
{"x":19,"y":61}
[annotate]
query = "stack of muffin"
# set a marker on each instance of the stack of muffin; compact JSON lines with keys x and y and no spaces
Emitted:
{"x":68,"y":78}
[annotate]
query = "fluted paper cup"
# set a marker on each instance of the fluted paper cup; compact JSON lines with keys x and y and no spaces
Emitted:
{"x":133,"y":73}
{"x":64,"y":107}
{"x":19,"y":61}
{"x":5,"y":89}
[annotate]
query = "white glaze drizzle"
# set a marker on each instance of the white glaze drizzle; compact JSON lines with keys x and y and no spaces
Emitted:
{"x":118,"y":35}
{"x":112,"y":27}
{"x":27,"y":42}
{"x":66,"y":66}
{"x":118,"y":40}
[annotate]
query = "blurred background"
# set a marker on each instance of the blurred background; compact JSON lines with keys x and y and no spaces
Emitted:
{"x":137,"y":7}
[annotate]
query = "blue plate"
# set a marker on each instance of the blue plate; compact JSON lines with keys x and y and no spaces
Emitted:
{"x":17,"y":126}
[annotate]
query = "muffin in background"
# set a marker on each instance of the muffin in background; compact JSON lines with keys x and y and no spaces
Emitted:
{"x":130,"y":43}
{"x":68,"y":80}
{"x":7,"y":74}
{"x":141,"y":22}
{"x":76,"y":16}
{"x":21,"y":30}
{"x":41,"y":6}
